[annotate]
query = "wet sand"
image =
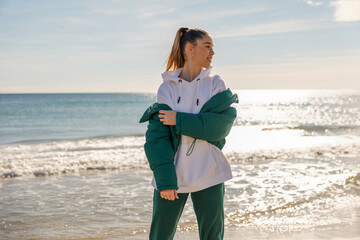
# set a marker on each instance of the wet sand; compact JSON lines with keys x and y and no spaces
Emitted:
{"x":117,"y":205}
{"x":335,"y":232}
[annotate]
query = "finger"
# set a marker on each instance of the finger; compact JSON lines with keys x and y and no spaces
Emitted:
{"x":176,"y":195}
{"x":166,"y":195}
{"x":172,"y":197}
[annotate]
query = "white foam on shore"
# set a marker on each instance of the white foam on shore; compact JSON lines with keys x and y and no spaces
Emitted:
{"x":243,"y":144}
{"x":58,"y":157}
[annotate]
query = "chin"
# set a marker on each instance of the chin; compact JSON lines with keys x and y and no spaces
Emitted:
{"x":206,"y":65}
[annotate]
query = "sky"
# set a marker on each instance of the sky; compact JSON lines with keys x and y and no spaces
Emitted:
{"x":74,"y":46}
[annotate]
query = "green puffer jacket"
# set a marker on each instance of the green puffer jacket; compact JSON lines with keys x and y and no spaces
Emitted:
{"x":212,"y":124}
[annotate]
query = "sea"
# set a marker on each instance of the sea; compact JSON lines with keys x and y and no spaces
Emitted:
{"x":72,"y":166}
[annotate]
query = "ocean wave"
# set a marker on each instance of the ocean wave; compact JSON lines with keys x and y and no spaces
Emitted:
{"x":347,"y":189}
{"x":45,"y":140}
{"x":328,"y":152}
{"x":120,"y":153}
{"x":354,"y":181}
{"x":315,"y":128}
{"x":59,"y":157}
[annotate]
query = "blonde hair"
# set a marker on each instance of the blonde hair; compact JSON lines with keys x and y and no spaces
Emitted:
{"x":176,"y":58}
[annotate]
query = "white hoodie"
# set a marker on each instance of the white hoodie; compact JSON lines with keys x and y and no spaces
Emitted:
{"x":201,"y":165}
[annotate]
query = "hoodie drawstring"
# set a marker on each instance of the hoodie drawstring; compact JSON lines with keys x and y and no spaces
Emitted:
{"x":197,"y":95}
{"x":180,"y":81}
{"x":192,"y":146}
{"x":197,"y":91}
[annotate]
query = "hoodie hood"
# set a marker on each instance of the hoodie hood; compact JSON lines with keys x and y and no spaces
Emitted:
{"x":173,"y":76}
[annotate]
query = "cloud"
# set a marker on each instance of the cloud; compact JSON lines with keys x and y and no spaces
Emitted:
{"x":3,"y":36}
{"x":143,"y":13}
{"x":109,"y":11}
{"x":331,"y":71}
{"x":79,"y":21}
{"x":312,"y":3}
{"x":191,"y":18}
{"x":346,"y":10}
{"x":273,"y":27}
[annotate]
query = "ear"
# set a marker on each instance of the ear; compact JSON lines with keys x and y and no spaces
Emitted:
{"x":189,"y":49}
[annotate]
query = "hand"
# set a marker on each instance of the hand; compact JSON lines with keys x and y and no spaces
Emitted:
{"x":167,"y":117}
{"x":169,"y":194}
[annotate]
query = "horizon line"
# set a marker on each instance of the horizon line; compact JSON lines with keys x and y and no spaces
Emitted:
{"x":233,"y":89}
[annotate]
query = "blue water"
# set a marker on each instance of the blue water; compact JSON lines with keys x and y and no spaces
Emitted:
{"x":43,"y":117}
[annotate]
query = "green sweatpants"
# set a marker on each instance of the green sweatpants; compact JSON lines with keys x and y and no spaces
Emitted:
{"x":208,"y":206}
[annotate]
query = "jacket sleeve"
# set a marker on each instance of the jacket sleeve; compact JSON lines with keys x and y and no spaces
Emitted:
{"x":206,"y":126}
{"x":160,"y":153}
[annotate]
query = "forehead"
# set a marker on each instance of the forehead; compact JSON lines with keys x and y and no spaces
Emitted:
{"x":205,"y":40}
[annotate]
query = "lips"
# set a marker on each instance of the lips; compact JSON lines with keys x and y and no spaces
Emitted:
{"x":209,"y":59}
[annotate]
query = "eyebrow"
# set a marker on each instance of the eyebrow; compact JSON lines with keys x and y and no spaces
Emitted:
{"x":207,"y":42}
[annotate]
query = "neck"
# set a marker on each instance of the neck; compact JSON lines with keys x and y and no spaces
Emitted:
{"x":189,"y":72}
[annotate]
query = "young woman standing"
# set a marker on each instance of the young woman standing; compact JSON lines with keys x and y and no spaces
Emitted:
{"x":200,"y":116}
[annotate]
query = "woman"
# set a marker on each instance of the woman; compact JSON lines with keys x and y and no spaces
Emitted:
{"x":185,"y":135}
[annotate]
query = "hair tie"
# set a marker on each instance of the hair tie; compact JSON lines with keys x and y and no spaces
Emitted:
{"x":184,"y":30}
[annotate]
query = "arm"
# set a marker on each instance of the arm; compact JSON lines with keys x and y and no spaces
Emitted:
{"x":160,"y":154}
{"x":206,"y":126}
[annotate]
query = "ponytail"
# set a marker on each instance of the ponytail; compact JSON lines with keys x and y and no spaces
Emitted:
{"x":176,"y":58}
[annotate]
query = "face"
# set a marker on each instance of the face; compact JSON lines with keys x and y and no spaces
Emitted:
{"x":203,"y":52}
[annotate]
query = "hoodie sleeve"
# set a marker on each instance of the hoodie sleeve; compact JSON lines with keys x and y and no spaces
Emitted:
{"x":218,"y":85}
{"x":160,"y":153}
{"x":164,"y":95}
{"x":206,"y":126}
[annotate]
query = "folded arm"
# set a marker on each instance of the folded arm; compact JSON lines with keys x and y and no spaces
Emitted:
{"x":206,"y":126}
